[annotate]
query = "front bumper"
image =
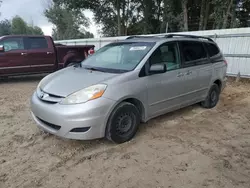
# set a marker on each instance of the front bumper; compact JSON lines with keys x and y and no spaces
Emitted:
{"x":62,"y":120}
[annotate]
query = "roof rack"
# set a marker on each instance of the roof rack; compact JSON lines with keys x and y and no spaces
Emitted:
{"x":171,"y":36}
{"x":139,"y":36}
{"x":189,"y":36}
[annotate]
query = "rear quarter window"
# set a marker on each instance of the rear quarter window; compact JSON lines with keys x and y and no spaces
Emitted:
{"x":213,"y":50}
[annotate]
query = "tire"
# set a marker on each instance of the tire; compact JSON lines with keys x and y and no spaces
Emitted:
{"x":4,"y":78}
{"x":123,"y":123}
{"x":212,"y":98}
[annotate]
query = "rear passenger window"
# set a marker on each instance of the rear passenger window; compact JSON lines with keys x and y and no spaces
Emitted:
{"x":37,"y":43}
{"x":212,"y":49}
{"x":193,"y":51}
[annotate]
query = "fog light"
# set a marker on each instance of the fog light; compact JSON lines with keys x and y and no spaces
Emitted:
{"x":80,"y":129}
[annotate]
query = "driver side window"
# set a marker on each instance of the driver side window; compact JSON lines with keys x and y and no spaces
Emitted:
{"x":13,"y":44}
{"x":168,"y":55}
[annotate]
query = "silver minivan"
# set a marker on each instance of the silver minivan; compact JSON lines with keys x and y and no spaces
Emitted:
{"x":128,"y":82}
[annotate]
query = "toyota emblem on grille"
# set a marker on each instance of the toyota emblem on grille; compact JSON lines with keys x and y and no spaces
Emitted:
{"x":42,"y":95}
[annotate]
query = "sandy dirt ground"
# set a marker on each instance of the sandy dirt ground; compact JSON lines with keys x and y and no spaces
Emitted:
{"x":190,"y":148}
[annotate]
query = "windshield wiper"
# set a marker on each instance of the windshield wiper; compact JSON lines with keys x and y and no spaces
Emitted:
{"x":108,"y":70}
{"x":94,"y":69}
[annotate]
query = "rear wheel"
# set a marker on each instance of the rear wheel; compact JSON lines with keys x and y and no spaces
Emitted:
{"x":123,"y":123}
{"x":212,"y":98}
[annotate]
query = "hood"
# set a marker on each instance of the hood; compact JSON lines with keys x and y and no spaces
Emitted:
{"x":69,"y":80}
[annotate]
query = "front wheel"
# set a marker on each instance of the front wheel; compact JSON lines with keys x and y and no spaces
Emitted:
{"x":212,"y":98}
{"x":123,"y":123}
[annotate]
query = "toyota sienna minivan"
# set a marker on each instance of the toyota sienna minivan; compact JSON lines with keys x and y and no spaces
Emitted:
{"x":128,"y":82}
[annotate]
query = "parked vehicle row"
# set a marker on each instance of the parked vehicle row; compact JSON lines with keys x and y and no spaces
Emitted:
{"x":22,"y":54}
{"x":128,"y":82}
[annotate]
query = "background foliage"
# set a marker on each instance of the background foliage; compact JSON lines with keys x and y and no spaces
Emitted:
{"x":131,"y":17}
{"x":128,"y":17}
{"x":68,"y":23}
{"x":18,"y":26}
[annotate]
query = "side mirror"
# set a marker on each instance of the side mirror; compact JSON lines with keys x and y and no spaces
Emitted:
{"x":1,"y":48}
{"x":158,"y":69}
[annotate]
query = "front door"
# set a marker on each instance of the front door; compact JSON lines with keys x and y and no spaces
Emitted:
{"x":12,"y":60}
{"x":166,"y":90}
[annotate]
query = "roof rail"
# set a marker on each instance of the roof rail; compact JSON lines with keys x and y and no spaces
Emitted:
{"x":189,"y":36}
{"x":138,"y":36}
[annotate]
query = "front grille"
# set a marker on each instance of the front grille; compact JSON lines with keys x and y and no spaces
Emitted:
{"x":48,"y":98}
{"x":54,"y":96}
{"x":56,"y":127}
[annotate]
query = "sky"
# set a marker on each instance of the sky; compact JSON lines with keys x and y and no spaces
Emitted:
{"x":32,"y":12}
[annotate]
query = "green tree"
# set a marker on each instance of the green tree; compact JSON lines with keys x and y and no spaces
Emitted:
{"x":5,"y":27}
{"x":151,"y":12}
{"x":0,"y":4}
{"x":172,"y":16}
{"x":37,"y":31}
{"x":34,"y":30}
{"x":106,"y":13}
{"x":122,"y":17}
{"x":67,"y":23}
{"x":19,"y":26}
{"x":242,"y":15}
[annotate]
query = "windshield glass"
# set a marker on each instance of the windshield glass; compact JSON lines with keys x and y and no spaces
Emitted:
{"x":118,"y":57}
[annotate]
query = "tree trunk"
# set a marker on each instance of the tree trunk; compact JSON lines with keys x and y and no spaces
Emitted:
{"x":233,"y":15}
{"x":123,"y":17}
{"x":118,"y":17}
{"x":165,"y":15}
{"x":185,"y":14}
{"x":127,"y":15}
{"x":225,"y":19}
{"x":146,"y":17}
{"x":158,"y":4}
{"x":206,"y":18}
{"x":214,"y":25}
{"x":202,"y":12}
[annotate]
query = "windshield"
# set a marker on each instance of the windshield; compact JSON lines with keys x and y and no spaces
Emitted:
{"x":118,"y":57}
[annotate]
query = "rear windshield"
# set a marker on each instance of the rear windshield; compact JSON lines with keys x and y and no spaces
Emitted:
{"x":118,"y":57}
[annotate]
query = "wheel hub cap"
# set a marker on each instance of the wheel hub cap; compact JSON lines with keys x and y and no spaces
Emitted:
{"x":213,"y":96}
{"x":124,"y":123}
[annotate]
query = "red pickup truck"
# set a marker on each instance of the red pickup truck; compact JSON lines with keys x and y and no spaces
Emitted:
{"x":24,"y":54}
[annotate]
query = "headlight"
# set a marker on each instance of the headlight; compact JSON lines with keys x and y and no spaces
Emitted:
{"x":84,"y":95}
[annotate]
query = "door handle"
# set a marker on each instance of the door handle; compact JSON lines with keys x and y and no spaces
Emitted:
{"x":180,"y":74}
{"x":189,"y":73}
{"x":49,"y":53}
{"x":23,"y":53}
